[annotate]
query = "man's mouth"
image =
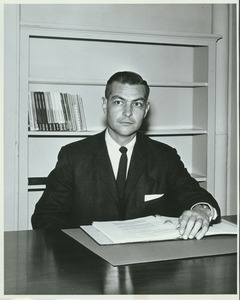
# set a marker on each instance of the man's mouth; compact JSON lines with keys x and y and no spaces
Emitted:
{"x":126,"y":123}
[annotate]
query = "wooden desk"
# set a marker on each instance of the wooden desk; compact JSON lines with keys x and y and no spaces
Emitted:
{"x":42,"y":262}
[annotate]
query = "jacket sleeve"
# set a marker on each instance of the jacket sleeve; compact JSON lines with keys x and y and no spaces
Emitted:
{"x":185,"y":191}
{"x":54,"y":207}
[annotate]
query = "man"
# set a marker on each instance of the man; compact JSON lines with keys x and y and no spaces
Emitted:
{"x":85,"y":184}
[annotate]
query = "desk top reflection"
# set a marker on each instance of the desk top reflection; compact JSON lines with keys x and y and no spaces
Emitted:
{"x":42,"y":262}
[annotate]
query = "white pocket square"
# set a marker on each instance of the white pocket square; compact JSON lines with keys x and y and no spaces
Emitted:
{"x":152,"y":197}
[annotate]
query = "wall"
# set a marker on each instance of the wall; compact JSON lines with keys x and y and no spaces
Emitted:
{"x":233,"y":113}
{"x":192,"y":18}
{"x":161,"y":17}
{"x":11,"y":100}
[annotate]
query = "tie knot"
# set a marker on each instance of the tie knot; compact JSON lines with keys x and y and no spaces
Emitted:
{"x":123,"y":149}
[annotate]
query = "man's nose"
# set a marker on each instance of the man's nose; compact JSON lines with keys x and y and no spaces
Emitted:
{"x":127,"y":110}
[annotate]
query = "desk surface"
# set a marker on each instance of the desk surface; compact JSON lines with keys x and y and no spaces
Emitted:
{"x":42,"y":262}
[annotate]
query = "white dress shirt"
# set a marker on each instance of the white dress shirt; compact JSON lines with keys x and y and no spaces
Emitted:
{"x":114,"y":153}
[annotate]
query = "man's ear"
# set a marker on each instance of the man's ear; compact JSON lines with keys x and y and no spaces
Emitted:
{"x":146,"y":109}
{"x":104,"y":104}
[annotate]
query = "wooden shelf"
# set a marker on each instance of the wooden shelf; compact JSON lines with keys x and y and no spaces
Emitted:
{"x":177,"y":131}
{"x":34,"y":188}
{"x":199,"y":178}
{"x":160,"y":132}
{"x":103,"y":83}
{"x":60,"y":133}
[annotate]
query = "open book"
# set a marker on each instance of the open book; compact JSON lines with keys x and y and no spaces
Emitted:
{"x":146,"y":229}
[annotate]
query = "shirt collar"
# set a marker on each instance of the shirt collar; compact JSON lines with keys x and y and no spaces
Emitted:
{"x":110,"y":141}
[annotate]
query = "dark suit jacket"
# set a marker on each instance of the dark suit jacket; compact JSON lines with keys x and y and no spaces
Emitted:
{"x":82,"y":187}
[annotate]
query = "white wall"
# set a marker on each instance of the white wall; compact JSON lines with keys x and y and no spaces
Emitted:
{"x":232,"y":118}
{"x":161,"y":17}
{"x":192,"y":18}
{"x":11,"y":100}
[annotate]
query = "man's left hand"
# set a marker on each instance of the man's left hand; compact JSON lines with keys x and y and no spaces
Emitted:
{"x":194,"y":223}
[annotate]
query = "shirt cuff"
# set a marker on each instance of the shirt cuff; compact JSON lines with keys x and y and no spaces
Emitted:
{"x":214,"y":213}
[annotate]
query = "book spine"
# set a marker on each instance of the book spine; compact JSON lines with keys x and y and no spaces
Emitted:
{"x":60,"y":112}
{"x":38,"y":111}
{"x":36,"y":127}
{"x":51,"y":106}
{"x":82,"y":114}
{"x":76,"y":112}
{"x":44,"y":111}
{"x":55,"y":111}
{"x":48,"y":110}
{"x":71,"y":108}
{"x":68,"y":115}
{"x":65,"y":118}
{"x":37,"y":180}
{"x":41,"y":110}
{"x":30,"y":113}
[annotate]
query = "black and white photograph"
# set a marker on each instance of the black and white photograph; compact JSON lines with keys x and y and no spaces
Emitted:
{"x":120,"y":150}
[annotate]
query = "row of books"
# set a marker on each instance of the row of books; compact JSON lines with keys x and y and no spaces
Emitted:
{"x":54,"y":111}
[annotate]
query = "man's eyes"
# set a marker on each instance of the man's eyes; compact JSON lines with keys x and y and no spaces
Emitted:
{"x":138,"y":104}
{"x":121,"y":102}
{"x":118,"y":102}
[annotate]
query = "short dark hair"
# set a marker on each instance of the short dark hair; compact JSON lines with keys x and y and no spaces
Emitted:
{"x":126,"y":77}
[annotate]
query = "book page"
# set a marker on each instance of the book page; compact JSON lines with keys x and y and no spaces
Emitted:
{"x":224,"y":227}
{"x":141,"y":229}
{"x":152,"y":228}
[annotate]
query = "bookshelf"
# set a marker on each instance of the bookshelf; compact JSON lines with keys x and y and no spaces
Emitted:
{"x":180,"y":69}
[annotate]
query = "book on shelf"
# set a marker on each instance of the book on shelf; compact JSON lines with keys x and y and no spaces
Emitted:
{"x":37,"y":180}
{"x":55,"y":111}
{"x":146,"y":229}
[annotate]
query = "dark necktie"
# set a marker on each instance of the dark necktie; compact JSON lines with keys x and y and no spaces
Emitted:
{"x":122,"y":169}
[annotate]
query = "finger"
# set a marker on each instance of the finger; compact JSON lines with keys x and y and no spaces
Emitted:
{"x":197,"y":226}
{"x":203,"y":231}
{"x":189,"y":227}
{"x":183,"y":220}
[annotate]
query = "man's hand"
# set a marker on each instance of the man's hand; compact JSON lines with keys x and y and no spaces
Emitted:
{"x":194,"y":223}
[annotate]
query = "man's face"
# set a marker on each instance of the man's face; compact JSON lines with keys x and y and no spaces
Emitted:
{"x":125,"y":109}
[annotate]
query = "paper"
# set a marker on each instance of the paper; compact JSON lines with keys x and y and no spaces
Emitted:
{"x":151,"y":228}
{"x":141,"y":229}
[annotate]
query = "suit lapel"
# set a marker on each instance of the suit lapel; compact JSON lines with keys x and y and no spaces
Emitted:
{"x":103,"y":167}
{"x":137,"y":166}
